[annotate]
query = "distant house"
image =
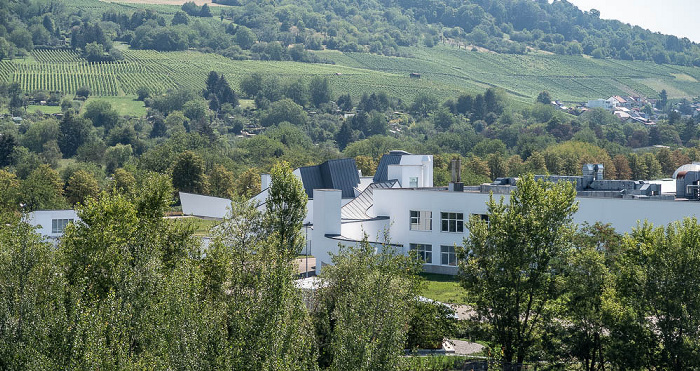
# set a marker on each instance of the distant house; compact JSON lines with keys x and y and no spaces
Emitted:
{"x":621,"y":102}
{"x":51,"y":223}
{"x":414,"y":75}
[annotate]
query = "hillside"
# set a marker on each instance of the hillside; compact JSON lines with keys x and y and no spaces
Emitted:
{"x":445,"y":72}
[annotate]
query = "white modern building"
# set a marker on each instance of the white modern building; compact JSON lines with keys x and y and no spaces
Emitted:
{"x":431,"y":220}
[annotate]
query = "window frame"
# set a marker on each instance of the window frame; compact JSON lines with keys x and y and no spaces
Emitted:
{"x":424,"y":251}
{"x":451,"y":224}
{"x":448,"y":254}
{"x":58,"y":225}
{"x":423,"y":220}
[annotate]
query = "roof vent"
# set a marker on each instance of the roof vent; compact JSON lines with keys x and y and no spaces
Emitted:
{"x":456,"y":184}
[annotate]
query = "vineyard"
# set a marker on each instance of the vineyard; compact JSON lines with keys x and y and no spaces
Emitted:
{"x":445,"y":72}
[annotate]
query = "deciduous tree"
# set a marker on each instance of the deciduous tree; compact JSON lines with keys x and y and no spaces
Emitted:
{"x":510,"y":262}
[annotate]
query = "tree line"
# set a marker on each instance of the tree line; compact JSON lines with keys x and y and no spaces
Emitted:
{"x":291,"y":30}
{"x":126,"y":288}
{"x":545,"y":290}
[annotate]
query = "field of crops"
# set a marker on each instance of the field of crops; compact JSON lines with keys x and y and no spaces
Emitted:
{"x":445,"y":72}
{"x":568,"y":78}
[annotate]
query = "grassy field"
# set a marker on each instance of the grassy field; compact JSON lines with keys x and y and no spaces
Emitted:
{"x":445,"y":72}
{"x":201,"y":226}
{"x":443,"y":288}
{"x":126,"y":106}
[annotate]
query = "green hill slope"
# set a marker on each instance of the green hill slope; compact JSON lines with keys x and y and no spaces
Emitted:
{"x":445,"y":72}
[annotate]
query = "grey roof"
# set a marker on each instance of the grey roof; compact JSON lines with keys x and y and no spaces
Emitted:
{"x":357,"y":208}
{"x":391,"y":158}
{"x":333,"y":174}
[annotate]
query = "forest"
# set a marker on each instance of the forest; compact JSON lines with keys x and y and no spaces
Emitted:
{"x":251,"y":29}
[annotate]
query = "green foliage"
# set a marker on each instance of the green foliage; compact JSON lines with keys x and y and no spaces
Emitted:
{"x":285,"y":211}
{"x":284,"y":110}
{"x":81,"y":186}
{"x":365,"y":307}
{"x":43,"y":190}
{"x":188,"y":173}
{"x":32,"y":312}
{"x":509,"y":263}
{"x":101,"y":113}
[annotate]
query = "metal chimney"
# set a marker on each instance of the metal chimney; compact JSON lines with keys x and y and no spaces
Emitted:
{"x":456,"y":184}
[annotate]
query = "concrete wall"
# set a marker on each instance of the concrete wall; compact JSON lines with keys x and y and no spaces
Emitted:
{"x":204,"y":206}
{"x":622,"y":214}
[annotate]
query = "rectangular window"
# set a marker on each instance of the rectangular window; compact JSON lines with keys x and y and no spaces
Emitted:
{"x":447,"y":255}
{"x":413,"y":182}
{"x":425,"y":252}
{"x":421,"y":220}
{"x":482,"y":217}
{"x":452,"y":222}
{"x":59,"y":225}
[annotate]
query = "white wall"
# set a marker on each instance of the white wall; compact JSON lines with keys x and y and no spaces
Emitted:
{"x":622,"y":214}
{"x":43,"y":220}
{"x":204,"y":206}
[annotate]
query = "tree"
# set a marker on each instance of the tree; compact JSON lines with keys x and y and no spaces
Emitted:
{"x":284,"y":110}
{"x":245,"y":37}
{"x":204,"y":11}
{"x":221,"y":183}
{"x":622,"y":167}
{"x":43,"y":190}
{"x":365,"y":305}
{"x":7,"y":149}
{"x":345,"y":102}
{"x":424,"y":104}
{"x":180,"y":17}
{"x":143,"y":92}
{"x":188,"y":173}
{"x":101,"y":113}
{"x":544,"y":98}
{"x":320,"y":90}
{"x":497,"y":166}
{"x":659,"y":294}
{"x":83,"y":92}
{"x":81,"y":186}
{"x":589,"y":283}
{"x":285,"y":210}
{"x":663,"y":100}
{"x":510,"y":262}
{"x":266,"y":326}
{"x":75,"y":131}
{"x":248,"y":183}
{"x":32,"y":312}
{"x":9,"y":194}
{"x":123,"y":181}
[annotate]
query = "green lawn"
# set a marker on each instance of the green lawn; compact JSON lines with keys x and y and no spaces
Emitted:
{"x":443,"y":288}
{"x":202,"y":226}
{"x":124,"y":105}
{"x":44,"y":109}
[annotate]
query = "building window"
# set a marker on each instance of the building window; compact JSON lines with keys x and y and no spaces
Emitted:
{"x":482,"y":217}
{"x":447,"y":255}
{"x":59,"y":225}
{"x":452,"y":222}
{"x":421,"y":220}
{"x":413,"y":182}
{"x":425,"y":252}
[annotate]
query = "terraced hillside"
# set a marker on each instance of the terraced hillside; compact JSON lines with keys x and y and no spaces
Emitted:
{"x":445,"y":72}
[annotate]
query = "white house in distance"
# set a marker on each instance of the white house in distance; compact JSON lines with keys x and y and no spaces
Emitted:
{"x":52,"y":223}
{"x":607,"y":104}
